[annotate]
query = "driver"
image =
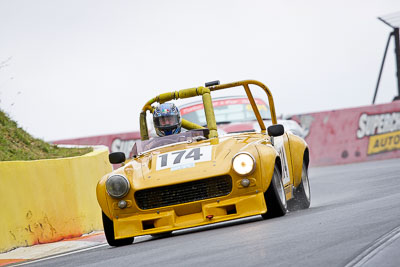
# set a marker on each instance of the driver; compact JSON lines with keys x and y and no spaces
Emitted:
{"x":167,"y":119}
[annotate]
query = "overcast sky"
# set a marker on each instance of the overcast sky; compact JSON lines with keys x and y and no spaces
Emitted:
{"x":76,"y":68}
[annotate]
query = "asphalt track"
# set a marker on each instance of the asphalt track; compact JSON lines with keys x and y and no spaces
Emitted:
{"x":354,"y":220}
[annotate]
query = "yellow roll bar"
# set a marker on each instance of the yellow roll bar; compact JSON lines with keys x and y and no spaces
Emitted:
{"x":205,"y":92}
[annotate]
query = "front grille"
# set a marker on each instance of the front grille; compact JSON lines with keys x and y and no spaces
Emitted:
{"x":183,"y":193}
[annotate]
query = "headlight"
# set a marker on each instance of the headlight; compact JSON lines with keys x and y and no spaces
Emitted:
{"x":243,"y":163}
{"x":117,"y":186}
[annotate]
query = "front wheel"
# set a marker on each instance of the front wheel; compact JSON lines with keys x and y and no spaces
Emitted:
{"x":109,"y":233}
{"x":302,"y":194}
{"x":275,"y":196}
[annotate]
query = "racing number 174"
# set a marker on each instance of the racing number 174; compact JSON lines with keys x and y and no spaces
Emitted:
{"x":193,"y":153}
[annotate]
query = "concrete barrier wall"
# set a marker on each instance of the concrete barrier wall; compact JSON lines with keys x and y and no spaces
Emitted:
{"x":352,"y":135}
{"x":48,"y":200}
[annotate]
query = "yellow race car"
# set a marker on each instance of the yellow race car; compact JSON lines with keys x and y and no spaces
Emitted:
{"x":197,"y":177}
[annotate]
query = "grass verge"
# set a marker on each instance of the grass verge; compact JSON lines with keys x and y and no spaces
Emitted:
{"x":17,"y":144}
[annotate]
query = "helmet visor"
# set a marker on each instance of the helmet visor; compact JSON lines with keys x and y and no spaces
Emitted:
{"x":166,"y":121}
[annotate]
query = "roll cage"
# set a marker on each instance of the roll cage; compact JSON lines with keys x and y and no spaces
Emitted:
{"x":205,"y":92}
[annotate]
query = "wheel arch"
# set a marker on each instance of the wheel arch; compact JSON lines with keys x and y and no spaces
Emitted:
{"x":278,"y":162}
{"x":299,"y":154}
{"x":102,"y":197}
{"x":268,"y":157}
{"x":270,"y":171}
{"x":306,"y":157}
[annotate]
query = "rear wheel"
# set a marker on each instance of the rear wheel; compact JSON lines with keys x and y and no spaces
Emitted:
{"x":302,"y":195}
{"x":109,"y":233}
{"x":275,"y":196}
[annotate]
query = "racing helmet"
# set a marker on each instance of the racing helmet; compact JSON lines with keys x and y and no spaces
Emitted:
{"x":167,"y":119}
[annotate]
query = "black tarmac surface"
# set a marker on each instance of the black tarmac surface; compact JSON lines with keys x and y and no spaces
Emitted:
{"x":354,"y":214}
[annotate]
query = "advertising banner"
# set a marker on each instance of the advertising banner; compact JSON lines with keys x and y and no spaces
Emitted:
{"x":352,"y":135}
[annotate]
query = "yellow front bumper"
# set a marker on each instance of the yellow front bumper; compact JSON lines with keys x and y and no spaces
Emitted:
{"x":189,"y":215}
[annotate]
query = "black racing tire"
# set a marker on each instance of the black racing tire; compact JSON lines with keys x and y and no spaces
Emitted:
{"x":275,"y":196}
{"x":302,"y":194}
{"x":109,"y":233}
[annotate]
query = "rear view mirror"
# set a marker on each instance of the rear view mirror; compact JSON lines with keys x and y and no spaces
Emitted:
{"x":116,"y":157}
{"x":276,"y":130}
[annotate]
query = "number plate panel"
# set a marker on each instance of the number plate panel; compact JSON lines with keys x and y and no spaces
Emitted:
{"x":182,"y":159}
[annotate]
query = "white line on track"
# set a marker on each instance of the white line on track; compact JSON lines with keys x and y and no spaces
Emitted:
{"x":376,"y":246}
{"x":62,"y":255}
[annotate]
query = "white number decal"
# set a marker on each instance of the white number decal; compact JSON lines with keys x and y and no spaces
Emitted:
{"x":281,"y":150}
{"x":183,"y":158}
